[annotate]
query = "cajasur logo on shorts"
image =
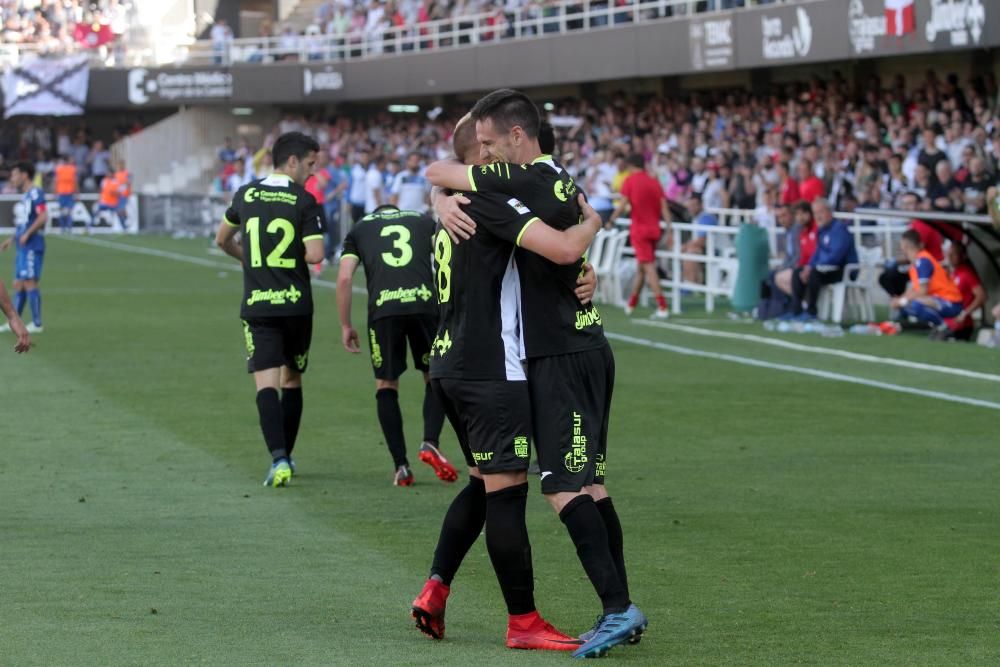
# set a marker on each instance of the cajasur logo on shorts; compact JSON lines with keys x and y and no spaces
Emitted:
{"x":521,"y":446}
{"x":376,"y":350}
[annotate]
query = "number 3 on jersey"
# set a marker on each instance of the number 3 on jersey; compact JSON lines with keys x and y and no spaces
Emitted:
{"x":401,"y":243}
{"x":442,"y":257}
{"x":275,"y":258}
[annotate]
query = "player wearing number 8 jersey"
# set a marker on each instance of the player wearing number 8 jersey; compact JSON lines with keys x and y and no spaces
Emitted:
{"x":395,"y":248}
{"x":282,"y":233}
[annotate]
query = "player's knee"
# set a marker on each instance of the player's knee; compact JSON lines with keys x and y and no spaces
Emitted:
{"x":498,"y":481}
{"x":30,"y":284}
{"x":557,"y":501}
{"x":290,"y":379}
{"x":386,"y":384}
{"x":597,"y":492}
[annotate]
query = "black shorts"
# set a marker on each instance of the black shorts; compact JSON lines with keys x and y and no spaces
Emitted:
{"x":387,"y":339}
{"x":570,"y":407}
{"x":273,"y":342}
{"x":492,"y":419}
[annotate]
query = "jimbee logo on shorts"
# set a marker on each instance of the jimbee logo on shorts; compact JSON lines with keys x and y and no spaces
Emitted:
{"x":576,"y":458}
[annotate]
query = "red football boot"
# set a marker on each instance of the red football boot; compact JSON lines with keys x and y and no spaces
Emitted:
{"x":428,"y":609}
{"x":531,"y":631}
{"x":430,"y":455}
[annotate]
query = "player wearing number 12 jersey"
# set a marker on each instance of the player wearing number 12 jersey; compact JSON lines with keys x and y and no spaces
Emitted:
{"x":282,"y":233}
{"x":395,"y":248}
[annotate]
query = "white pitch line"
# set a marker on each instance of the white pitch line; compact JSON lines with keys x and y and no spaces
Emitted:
{"x":855,"y":356}
{"x":746,"y":361}
{"x":190,"y":259}
{"x":826,"y":375}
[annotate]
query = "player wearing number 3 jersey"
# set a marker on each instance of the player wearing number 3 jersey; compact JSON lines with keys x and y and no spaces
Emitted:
{"x":395,"y":248}
{"x":282,"y":233}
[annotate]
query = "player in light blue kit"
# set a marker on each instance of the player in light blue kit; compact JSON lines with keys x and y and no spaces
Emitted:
{"x":30,"y":215}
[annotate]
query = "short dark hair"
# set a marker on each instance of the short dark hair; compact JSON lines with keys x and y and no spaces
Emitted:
{"x":26,"y":167}
{"x":547,"y":137}
{"x":911,"y":236}
{"x":508,"y":108}
{"x":636,"y":160}
{"x":464,"y":140}
{"x":804,"y":206}
{"x":292,"y":144}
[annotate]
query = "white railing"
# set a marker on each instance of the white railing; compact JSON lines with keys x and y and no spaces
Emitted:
{"x":456,"y":31}
{"x":719,"y":264}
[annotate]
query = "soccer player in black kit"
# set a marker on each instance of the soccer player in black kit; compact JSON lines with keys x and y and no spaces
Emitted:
{"x":476,"y":367}
{"x":395,"y":248}
{"x":570,"y":366}
{"x":281,"y":228}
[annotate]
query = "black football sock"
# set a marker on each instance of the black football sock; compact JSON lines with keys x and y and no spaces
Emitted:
{"x":391,"y":419}
{"x":586,"y":528}
{"x":462,"y":524}
{"x":509,"y":549}
{"x":615,"y":538}
{"x":269,"y":409}
{"x":433,"y":416}
{"x":291,"y":410}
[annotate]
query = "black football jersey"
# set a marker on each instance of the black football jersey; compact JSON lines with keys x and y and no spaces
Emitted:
{"x":276,"y":217}
{"x":395,"y":249}
{"x":479,"y":334}
{"x":555,"y":322}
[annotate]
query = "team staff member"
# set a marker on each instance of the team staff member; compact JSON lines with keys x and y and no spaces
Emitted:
{"x":124,"y":181}
{"x":567,"y":355}
{"x":66,"y":189}
{"x":282,"y":233}
{"x":395,"y":248}
{"x":476,"y":367}
{"x":644,"y":195}
{"x":30,"y":215}
{"x":932,"y":295}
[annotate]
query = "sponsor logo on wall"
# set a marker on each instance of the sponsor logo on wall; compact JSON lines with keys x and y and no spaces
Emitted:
{"x":321,"y":80}
{"x":711,"y":43}
{"x":781,"y":42}
{"x":956,"y":22}
{"x":897,"y":20}
{"x":145,"y":86}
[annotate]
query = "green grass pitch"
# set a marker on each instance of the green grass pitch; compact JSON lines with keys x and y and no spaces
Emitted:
{"x":771,"y":517}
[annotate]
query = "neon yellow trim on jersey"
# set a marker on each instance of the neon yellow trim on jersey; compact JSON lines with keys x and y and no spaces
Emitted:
{"x":312,"y":238}
{"x":541,"y":158}
{"x":228,"y":222}
{"x":472,"y":181}
{"x":524,"y":229}
{"x":347,"y":254}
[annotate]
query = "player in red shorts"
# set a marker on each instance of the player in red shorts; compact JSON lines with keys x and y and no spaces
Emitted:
{"x":644,"y":195}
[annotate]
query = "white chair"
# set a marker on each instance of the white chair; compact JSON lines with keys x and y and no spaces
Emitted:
{"x":854,"y":290}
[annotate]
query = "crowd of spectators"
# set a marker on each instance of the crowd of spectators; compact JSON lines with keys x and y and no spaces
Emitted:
{"x":381,"y":23}
{"x":64,"y":26}
{"x":932,"y":145}
{"x":44,"y":141}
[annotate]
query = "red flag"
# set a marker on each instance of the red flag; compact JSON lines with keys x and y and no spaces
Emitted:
{"x":93,"y":35}
{"x":900,"y":17}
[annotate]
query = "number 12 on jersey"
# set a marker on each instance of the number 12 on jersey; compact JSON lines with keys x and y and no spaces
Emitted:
{"x":275,"y":258}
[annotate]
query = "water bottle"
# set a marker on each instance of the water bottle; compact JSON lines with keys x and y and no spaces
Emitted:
{"x":770,"y":325}
{"x":865,"y":330}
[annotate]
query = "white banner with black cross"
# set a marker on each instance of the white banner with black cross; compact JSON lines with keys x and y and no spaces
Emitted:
{"x":46,"y":87}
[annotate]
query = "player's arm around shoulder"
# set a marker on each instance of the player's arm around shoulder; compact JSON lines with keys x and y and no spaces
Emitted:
{"x":451,"y":174}
{"x":561,"y":247}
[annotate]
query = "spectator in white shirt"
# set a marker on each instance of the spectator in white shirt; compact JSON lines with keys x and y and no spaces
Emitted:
{"x":374,"y":185}
{"x":221,"y":35}
{"x":410,"y":187}
{"x":356,"y":196}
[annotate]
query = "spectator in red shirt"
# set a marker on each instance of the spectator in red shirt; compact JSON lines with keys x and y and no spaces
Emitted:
{"x":807,"y":232}
{"x":787,"y":186}
{"x":964,"y":276}
{"x":810,"y":186}
{"x":644,"y":195}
